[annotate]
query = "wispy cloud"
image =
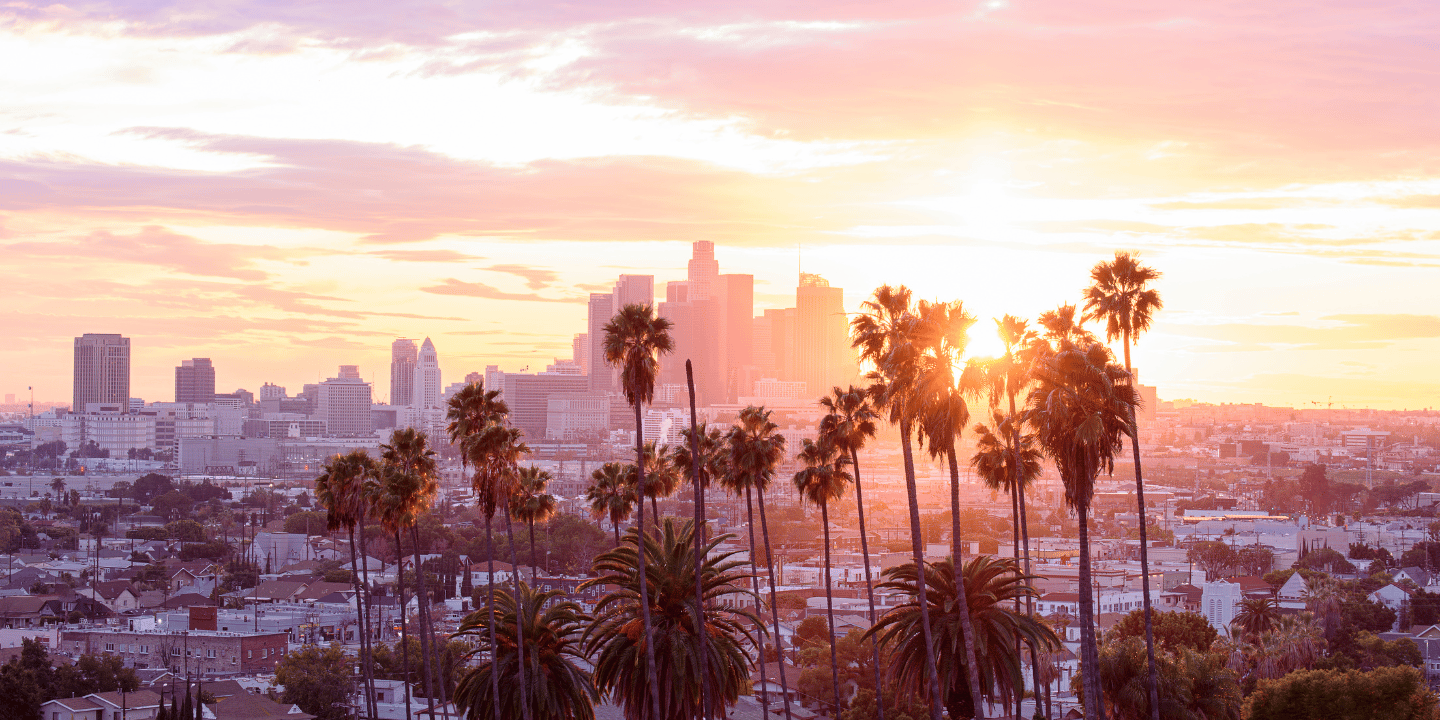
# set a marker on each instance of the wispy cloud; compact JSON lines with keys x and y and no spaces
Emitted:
{"x":452,"y":286}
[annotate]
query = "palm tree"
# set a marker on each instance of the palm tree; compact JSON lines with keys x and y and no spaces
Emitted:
{"x":1079,"y":410}
{"x":408,"y":454}
{"x":943,"y":415}
{"x":611,"y":495}
{"x":531,"y":504}
{"x":755,"y":451}
{"x":822,"y":480}
{"x":1119,"y":295}
{"x":991,"y":584}
{"x":662,"y":476}
{"x":395,"y":505}
{"x":702,"y":458}
{"x":885,"y":333}
{"x":613,"y":639}
{"x":342,"y":490}
{"x":848,"y":423}
{"x":1005,"y":464}
{"x":494,"y":482}
{"x":634,"y":340}
{"x":553,"y":626}
{"x":1256,"y":615}
{"x":1323,"y":598}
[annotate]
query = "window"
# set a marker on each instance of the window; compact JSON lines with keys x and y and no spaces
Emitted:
{"x":144,"y":649}
{"x":111,"y":647}
{"x":235,"y":660}
{"x":250,"y":654}
{"x":175,"y":651}
{"x":211,"y":653}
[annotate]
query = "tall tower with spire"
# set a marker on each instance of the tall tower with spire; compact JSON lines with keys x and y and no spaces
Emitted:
{"x":426,"y":393}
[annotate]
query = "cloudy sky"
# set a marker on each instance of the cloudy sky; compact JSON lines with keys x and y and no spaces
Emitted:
{"x":285,"y":187}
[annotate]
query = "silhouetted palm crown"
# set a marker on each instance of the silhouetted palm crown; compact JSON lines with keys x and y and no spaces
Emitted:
{"x":755,"y":451}
{"x":634,"y":339}
{"x":1119,"y":295}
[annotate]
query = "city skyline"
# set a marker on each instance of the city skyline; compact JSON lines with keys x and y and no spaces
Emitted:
{"x":219,"y":188}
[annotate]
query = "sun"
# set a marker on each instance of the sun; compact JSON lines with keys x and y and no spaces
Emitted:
{"x":984,"y":340}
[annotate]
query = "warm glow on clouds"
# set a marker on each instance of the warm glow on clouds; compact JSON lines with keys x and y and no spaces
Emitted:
{"x":286,"y":187}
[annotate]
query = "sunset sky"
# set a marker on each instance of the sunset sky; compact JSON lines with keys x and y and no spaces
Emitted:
{"x":285,"y":187}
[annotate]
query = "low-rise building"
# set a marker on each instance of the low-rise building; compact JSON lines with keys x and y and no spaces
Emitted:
{"x":203,"y":651}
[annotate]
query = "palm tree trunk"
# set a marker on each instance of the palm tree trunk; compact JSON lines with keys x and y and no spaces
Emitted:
{"x":774,"y":600}
{"x":869,"y":586}
{"x":755,"y":585}
{"x":490,"y":603}
{"x":655,"y":506}
{"x":698,"y":533}
{"x":404,"y":629}
{"x":652,"y":676}
{"x":1015,"y":550}
{"x":972,"y":665}
{"x":363,"y":598}
{"x":519,"y":625}
{"x":830,"y":608}
{"x":533,"y":567}
{"x":1025,"y":539}
{"x":1152,"y":682}
{"x":423,"y":596}
{"x":360,"y":606}
{"x":932,"y":683}
{"x":1089,"y":654}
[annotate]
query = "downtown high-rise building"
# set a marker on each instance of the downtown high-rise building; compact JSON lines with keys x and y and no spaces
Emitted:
{"x":823,"y":357}
{"x":599,"y":312}
{"x":403,"y":357}
{"x":344,"y":403}
{"x":195,"y":381}
{"x":102,"y":370}
{"x":712,"y":321}
{"x":427,"y":386}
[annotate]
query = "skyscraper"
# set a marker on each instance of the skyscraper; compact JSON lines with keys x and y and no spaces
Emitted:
{"x":634,"y":290}
{"x":403,"y":356}
{"x":602,"y":308}
{"x":102,"y":370}
{"x":823,"y":357}
{"x":344,"y":403}
{"x":426,"y":393}
{"x":195,"y":381}
{"x":739,"y":333}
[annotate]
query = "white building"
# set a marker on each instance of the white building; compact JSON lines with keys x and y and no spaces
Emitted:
{"x":1219,"y":602}
{"x":427,"y":377}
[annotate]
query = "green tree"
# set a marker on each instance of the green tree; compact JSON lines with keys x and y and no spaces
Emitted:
{"x":821,"y":482}
{"x":318,"y":679}
{"x":1256,"y":615}
{"x":992,"y":584}
{"x":346,"y":490}
{"x":1080,"y":411}
{"x":172,"y":505}
{"x":306,"y":522}
{"x":634,"y":341}
{"x":1172,"y":630}
{"x":612,"y":640}
{"x":410,"y":462}
{"x":1397,"y":693}
{"x":1214,"y":557}
{"x":530,"y":503}
{"x":756,"y":447}
{"x":150,"y":486}
{"x":562,"y":688}
{"x":885,"y":334}
{"x":848,"y":424}
{"x":944,"y":329}
{"x":610,"y":495}
{"x":1194,"y":685}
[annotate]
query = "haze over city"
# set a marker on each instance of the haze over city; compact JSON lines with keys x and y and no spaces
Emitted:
{"x":286,"y":190}
{"x":1039,"y":359}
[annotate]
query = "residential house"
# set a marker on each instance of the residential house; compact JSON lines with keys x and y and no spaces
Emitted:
{"x":117,"y":595}
{"x":248,"y":706}
{"x":138,"y":705}
{"x":1394,"y":597}
{"x":23,"y":611}
{"x":1414,"y":574}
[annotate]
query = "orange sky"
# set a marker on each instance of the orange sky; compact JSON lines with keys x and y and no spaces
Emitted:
{"x":286,"y":187}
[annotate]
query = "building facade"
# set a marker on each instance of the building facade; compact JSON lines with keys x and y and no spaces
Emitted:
{"x":102,"y":370}
{"x":195,"y":381}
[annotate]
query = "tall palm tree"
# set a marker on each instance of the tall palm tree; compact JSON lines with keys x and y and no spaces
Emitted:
{"x":1119,"y":295}
{"x":1256,"y":615}
{"x":408,"y":454}
{"x":613,"y":640}
{"x":709,"y":445}
{"x":611,"y":495}
{"x":395,"y":505}
{"x":342,"y":491}
{"x":530,"y":504}
{"x":756,"y":449}
{"x":823,"y":480}
{"x":885,"y":332}
{"x":848,"y":423}
{"x":634,"y":341}
{"x":1079,"y":409}
{"x":498,"y":451}
{"x":702,"y":458}
{"x":943,"y":415}
{"x":493,"y":482}
{"x":991,"y":584}
{"x":662,"y":475}
{"x":554,"y":628}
